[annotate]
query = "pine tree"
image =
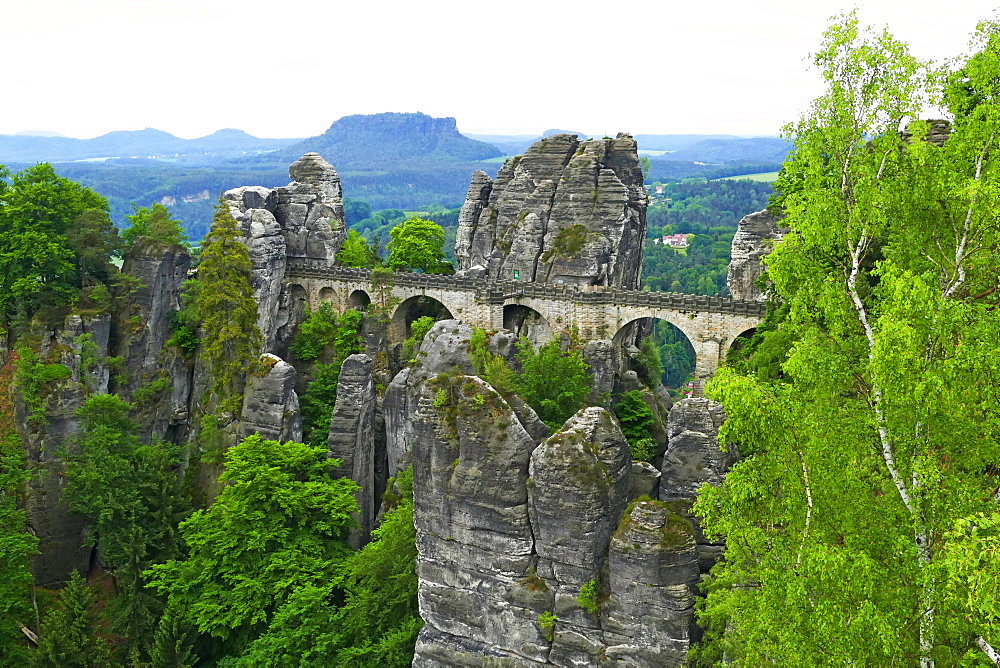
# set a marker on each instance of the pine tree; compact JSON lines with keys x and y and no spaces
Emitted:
{"x":67,"y":639}
{"x":228,"y":311}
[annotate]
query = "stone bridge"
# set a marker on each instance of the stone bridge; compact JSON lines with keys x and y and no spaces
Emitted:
{"x":711,"y":324}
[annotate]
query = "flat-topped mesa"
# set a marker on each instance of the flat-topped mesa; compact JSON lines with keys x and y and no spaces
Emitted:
{"x":567,"y":211}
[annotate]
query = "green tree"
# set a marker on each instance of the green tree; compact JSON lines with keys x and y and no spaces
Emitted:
{"x":94,"y":239}
{"x":378,"y":622}
{"x":881,"y":437}
{"x":356,"y":252}
{"x":38,"y":265}
{"x":329,"y":339}
{"x":418,"y":244}
{"x":227,"y":309}
{"x":17,"y":547}
{"x":153,"y":223}
{"x":131,"y":492}
{"x":68,"y":637}
{"x":277,"y":526}
{"x":553,"y":382}
{"x":636,"y":419}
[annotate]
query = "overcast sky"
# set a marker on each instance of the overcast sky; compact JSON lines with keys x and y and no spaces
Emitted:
{"x":290,"y":68}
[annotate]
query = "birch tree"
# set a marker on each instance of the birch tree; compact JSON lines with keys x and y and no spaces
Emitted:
{"x":882,"y":435}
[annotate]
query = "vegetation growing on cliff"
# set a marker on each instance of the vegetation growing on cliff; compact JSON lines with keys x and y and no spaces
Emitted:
{"x":227,"y":309}
{"x":276,"y":527}
{"x":57,"y":238}
{"x":328,"y":339}
{"x":554,"y":382}
{"x":867,"y":488}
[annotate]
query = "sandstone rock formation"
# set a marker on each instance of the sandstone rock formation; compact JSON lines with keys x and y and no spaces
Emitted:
{"x":352,"y":439}
{"x":649,"y":616}
{"x":303,"y":219}
{"x":270,"y":404}
{"x":567,"y":211}
{"x":143,"y":329}
{"x":61,"y":533}
{"x":512,"y":527}
{"x":694,"y":457}
{"x":755,"y":237}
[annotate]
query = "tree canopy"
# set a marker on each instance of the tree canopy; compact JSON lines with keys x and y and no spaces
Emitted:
{"x":554,"y":382}
{"x":153,"y":223}
{"x":869,"y":467}
{"x":418,"y":244}
{"x":227,"y":308}
{"x":56,"y":233}
{"x":277,"y":526}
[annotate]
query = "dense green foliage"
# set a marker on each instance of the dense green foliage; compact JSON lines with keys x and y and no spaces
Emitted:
{"x":69,"y":635}
{"x":699,"y":269}
{"x":418,"y":330}
{"x":17,"y":546}
{"x":693,"y":206}
{"x":153,"y":223}
{"x":276,"y":527}
{"x":377,"y":623}
{"x":227,"y":309}
{"x":676,"y":353}
{"x":863,"y":511}
{"x":328,"y":339}
{"x":357,"y":252}
{"x":57,"y":238}
{"x":636,"y":419}
{"x":131,"y":493}
{"x":418,"y":244}
{"x":554,"y":382}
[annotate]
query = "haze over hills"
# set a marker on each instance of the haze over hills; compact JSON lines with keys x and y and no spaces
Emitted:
{"x":40,"y":146}
{"x":402,"y":161}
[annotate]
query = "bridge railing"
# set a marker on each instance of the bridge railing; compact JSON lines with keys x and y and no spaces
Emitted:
{"x":500,"y":291}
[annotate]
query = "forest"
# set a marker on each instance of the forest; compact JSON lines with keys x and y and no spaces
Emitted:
{"x":860,"y":518}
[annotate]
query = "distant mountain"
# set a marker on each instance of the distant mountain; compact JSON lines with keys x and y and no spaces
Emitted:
{"x":145,"y":144}
{"x":755,"y":149}
{"x":549,"y":133}
{"x":675,"y":142}
{"x":389,"y":139}
{"x":38,"y":133}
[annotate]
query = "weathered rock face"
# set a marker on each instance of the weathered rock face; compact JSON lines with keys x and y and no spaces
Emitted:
{"x":580,"y":486}
{"x":755,"y":236}
{"x":470,"y":464}
{"x":303,"y":219}
{"x":511,"y":528}
{"x":566,"y":211}
{"x":61,"y":533}
{"x":445,"y":347}
{"x":510,"y":533}
{"x":143,"y":330}
{"x":352,"y":439}
{"x":270,"y":404}
{"x":649,"y":617}
{"x":268,"y":253}
{"x":693,"y":457}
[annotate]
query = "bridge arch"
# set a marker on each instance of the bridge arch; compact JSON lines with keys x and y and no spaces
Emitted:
{"x":676,"y":349}
{"x":742,"y":339}
{"x":358,"y":300}
{"x":327,"y":294}
{"x":412,"y":308}
{"x":527,"y":322}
